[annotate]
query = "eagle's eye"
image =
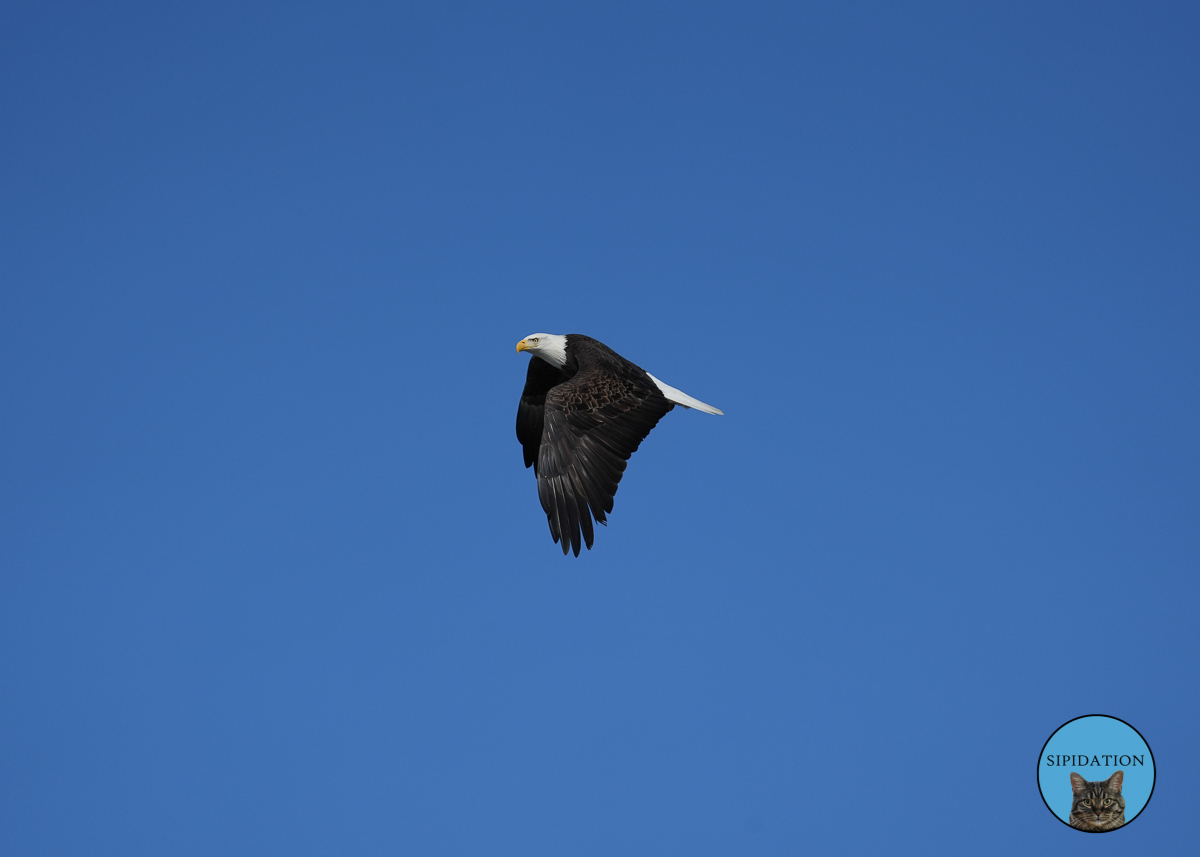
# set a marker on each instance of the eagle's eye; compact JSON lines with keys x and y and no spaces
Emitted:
{"x":534,"y":340}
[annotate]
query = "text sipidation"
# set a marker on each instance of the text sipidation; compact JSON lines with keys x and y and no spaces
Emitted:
{"x":1084,"y":761}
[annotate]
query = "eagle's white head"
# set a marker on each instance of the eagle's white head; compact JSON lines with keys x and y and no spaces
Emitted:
{"x":551,"y":347}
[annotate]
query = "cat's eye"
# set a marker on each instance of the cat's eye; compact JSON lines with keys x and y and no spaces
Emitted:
{"x":1086,"y":802}
{"x":1107,"y":802}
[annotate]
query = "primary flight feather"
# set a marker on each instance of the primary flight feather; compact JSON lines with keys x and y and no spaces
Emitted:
{"x":583,"y":412}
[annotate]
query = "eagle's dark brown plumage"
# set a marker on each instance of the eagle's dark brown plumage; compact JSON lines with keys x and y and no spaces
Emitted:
{"x":584,"y":411}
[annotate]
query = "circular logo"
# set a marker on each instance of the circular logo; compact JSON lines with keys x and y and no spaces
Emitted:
{"x":1096,"y":773}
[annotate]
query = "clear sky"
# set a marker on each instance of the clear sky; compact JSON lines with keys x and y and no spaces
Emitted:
{"x":273,"y":579}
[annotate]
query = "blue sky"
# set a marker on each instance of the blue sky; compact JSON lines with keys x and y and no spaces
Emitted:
{"x":275,"y":581}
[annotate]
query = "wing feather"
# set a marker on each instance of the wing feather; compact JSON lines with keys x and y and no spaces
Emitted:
{"x":546,"y":496}
{"x":564,"y":490}
{"x":582,"y":503}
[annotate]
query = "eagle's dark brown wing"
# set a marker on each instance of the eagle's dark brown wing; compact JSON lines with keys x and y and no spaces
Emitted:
{"x":591,"y":424}
{"x":539,"y":379}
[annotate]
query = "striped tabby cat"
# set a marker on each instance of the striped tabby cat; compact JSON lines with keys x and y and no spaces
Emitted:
{"x":1097,"y":806}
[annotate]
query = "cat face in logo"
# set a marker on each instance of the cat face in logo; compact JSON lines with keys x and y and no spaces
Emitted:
{"x":1097,"y":806}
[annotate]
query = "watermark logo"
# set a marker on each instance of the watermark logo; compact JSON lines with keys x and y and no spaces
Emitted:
{"x":1096,"y":773}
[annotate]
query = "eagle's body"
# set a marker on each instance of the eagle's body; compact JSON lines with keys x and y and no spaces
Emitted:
{"x":583,"y":412}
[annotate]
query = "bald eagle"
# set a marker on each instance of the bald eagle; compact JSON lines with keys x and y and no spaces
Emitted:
{"x":583,"y":412}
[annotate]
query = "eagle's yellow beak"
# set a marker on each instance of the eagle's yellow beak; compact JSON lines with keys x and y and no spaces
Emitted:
{"x":521,"y":346}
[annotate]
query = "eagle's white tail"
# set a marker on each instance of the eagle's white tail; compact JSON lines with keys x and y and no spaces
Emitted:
{"x":681,"y":398}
